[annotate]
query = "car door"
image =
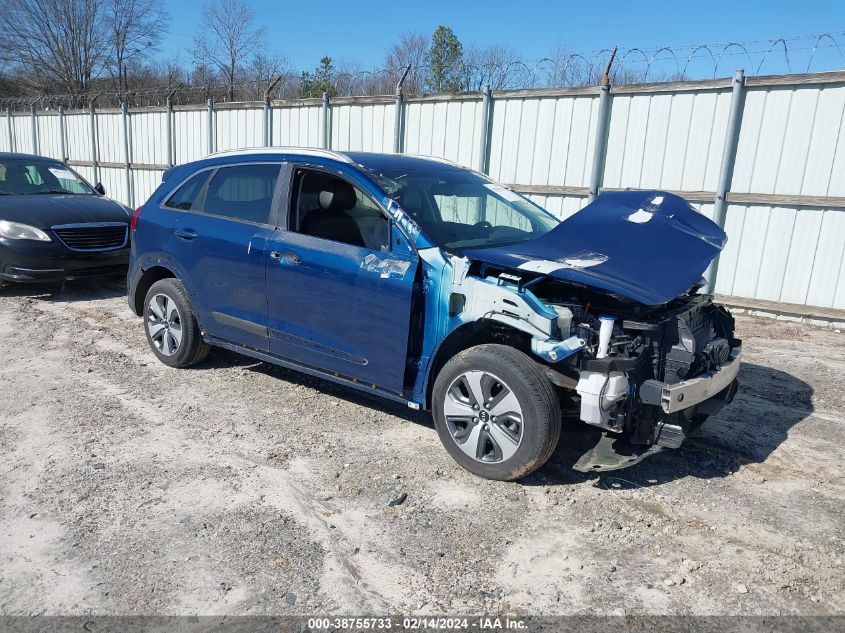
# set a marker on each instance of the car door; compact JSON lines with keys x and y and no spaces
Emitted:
{"x":338,"y":304}
{"x":220,"y":247}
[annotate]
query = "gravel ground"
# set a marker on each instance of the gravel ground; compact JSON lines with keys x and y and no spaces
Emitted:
{"x":240,"y":488}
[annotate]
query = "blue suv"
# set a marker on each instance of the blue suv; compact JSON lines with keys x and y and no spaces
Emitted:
{"x":422,"y":281}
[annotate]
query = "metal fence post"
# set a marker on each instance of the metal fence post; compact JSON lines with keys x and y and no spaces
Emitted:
{"x":34,"y":124}
{"x":399,"y":115}
{"x":270,"y":126}
{"x":268,"y":112}
{"x":169,"y":127}
{"x":602,"y":126}
{"x":130,"y":196}
{"x":399,"y":123}
{"x":62,"y":142}
{"x":211,"y":143}
{"x":600,"y":145}
{"x":326,"y":118}
{"x":95,"y":150}
{"x":486,"y":120}
{"x":11,"y":129}
{"x":720,"y":207}
{"x":267,"y":115}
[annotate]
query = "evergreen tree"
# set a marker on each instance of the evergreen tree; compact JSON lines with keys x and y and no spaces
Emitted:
{"x":446,"y":58}
{"x":320,"y":81}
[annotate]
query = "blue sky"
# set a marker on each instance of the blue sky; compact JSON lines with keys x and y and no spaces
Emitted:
{"x":362,"y":30}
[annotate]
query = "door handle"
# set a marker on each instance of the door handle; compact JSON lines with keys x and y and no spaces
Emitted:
{"x":185,"y":234}
{"x":286,"y":257}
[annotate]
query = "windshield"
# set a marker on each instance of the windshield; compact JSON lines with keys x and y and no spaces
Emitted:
{"x":460,"y":209}
{"x":31,"y":176}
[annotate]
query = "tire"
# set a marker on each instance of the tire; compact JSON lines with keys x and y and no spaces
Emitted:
{"x":515,"y":427}
{"x":171,"y":328}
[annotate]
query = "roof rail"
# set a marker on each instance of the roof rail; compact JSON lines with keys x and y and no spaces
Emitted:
{"x":304,"y":151}
{"x":440,"y":159}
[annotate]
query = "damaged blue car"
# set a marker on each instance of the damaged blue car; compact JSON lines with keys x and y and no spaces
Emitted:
{"x":422,"y":281}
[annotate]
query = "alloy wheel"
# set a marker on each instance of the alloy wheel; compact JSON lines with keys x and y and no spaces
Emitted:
{"x":483,"y":416}
{"x":164,"y":324}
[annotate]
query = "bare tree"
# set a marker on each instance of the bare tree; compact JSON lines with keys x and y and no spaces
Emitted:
{"x":134,"y":28}
{"x":351,"y":78}
{"x":256,"y":76}
{"x":202,"y":75}
{"x":266,"y":67}
{"x":9,"y":86}
{"x":378,"y":82}
{"x":228,"y":38}
{"x":172,"y":72}
{"x":58,"y":43}
{"x":498,"y":66}
{"x":570,"y":69}
{"x":411,"y":48}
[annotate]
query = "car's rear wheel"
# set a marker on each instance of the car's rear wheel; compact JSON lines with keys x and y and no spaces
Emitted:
{"x":495,"y":412}
{"x":171,"y":325}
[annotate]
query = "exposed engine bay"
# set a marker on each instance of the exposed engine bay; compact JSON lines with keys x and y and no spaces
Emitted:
{"x":647,"y":376}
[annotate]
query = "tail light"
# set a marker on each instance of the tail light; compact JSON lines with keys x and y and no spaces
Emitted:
{"x":133,"y":223}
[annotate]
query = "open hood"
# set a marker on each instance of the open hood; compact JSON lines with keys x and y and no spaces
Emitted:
{"x":649,"y":246}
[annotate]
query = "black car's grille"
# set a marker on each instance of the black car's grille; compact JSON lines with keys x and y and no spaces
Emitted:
{"x":93,"y":237}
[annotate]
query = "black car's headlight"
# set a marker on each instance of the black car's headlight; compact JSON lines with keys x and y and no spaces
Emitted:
{"x":18,"y":231}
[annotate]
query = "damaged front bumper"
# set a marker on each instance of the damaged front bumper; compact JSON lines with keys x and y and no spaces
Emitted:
{"x":659,"y":414}
{"x":689,"y":393}
{"x":613,"y":450}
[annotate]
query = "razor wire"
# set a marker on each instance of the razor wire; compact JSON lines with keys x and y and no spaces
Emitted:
{"x":632,"y":65}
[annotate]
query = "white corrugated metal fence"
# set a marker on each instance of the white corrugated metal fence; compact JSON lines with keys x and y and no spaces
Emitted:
{"x":785,"y":214}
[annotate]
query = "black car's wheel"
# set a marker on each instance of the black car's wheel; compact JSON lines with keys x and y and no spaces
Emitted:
{"x":171,"y":325}
{"x":495,"y":412}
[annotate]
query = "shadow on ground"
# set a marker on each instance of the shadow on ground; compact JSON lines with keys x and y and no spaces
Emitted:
{"x":79,"y":290}
{"x":349,"y":394}
{"x":769,"y":403}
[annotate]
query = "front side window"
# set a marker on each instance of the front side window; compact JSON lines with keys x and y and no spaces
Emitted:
{"x":460,"y":209}
{"x":328,"y":207}
{"x":33,"y":177}
{"x":242,"y":192}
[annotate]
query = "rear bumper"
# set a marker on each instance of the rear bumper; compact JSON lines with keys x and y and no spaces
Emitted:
{"x":689,"y":393}
{"x":49,"y":262}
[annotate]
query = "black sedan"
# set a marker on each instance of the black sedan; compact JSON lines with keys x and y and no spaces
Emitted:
{"x":55,"y":226}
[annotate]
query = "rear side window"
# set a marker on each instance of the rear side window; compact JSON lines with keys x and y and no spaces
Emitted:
{"x":243,"y":192}
{"x":186,"y":196}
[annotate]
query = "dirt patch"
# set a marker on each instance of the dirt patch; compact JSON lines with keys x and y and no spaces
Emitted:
{"x":241,"y":488}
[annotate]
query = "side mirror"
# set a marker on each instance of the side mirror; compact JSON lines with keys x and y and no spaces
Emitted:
{"x":100,"y":189}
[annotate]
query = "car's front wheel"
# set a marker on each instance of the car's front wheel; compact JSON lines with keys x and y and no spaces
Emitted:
{"x":171,"y":325}
{"x":496,"y":412}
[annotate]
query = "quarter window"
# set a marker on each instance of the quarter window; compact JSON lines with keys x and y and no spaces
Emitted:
{"x":243,"y":192}
{"x":186,"y":196}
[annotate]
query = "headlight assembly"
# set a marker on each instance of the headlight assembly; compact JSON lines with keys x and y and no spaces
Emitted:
{"x":18,"y":231}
